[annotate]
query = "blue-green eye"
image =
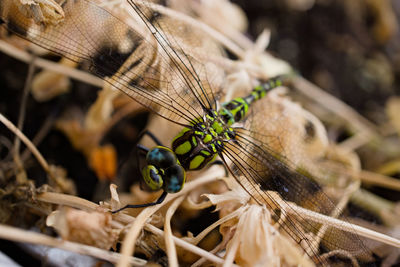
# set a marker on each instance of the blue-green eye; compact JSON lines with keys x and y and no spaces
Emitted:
{"x":174,"y":179}
{"x":161,"y":157}
{"x":152,"y":177}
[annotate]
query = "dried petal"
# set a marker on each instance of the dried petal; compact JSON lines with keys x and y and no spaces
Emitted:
{"x":260,"y":244}
{"x":114,"y":201}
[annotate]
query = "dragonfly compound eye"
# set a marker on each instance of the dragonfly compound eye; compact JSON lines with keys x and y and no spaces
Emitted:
{"x":152,"y":177}
{"x":163,"y":170}
{"x":174,"y":179}
{"x":161,"y":157}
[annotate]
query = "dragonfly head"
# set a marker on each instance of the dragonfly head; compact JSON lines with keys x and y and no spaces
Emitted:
{"x":163,"y":170}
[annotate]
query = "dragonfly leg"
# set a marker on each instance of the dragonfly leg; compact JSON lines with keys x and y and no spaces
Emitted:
{"x":141,"y":149}
{"x":129,"y":206}
{"x":152,"y":136}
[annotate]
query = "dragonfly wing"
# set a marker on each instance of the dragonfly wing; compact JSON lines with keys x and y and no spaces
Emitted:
{"x":155,"y":73}
{"x":258,"y":162}
{"x":289,"y":130}
{"x":176,"y":39}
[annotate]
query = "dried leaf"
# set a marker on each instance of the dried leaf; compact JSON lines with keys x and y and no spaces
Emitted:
{"x":48,"y":84}
{"x":393,"y":111}
{"x":92,"y":228}
{"x":80,"y":139}
{"x":100,"y":112}
{"x":300,"y":5}
{"x":64,"y":184}
{"x":103,"y":160}
{"x":42,"y":11}
{"x":223,"y":13}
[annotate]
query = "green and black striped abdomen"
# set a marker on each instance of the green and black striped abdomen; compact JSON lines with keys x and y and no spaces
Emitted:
{"x":236,"y":109}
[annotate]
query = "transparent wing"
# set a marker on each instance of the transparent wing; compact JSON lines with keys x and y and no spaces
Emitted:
{"x":141,"y":60}
{"x":258,"y":162}
{"x":289,"y":130}
{"x":176,"y":40}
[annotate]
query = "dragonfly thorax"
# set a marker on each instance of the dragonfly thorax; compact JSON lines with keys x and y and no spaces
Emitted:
{"x":198,"y":145}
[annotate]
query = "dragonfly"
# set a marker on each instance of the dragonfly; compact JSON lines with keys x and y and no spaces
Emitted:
{"x":175,"y":86}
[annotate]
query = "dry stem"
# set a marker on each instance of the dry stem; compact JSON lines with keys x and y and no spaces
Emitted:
{"x":50,"y":65}
{"x":19,"y":235}
{"x":171,"y":249}
{"x":26,"y":141}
